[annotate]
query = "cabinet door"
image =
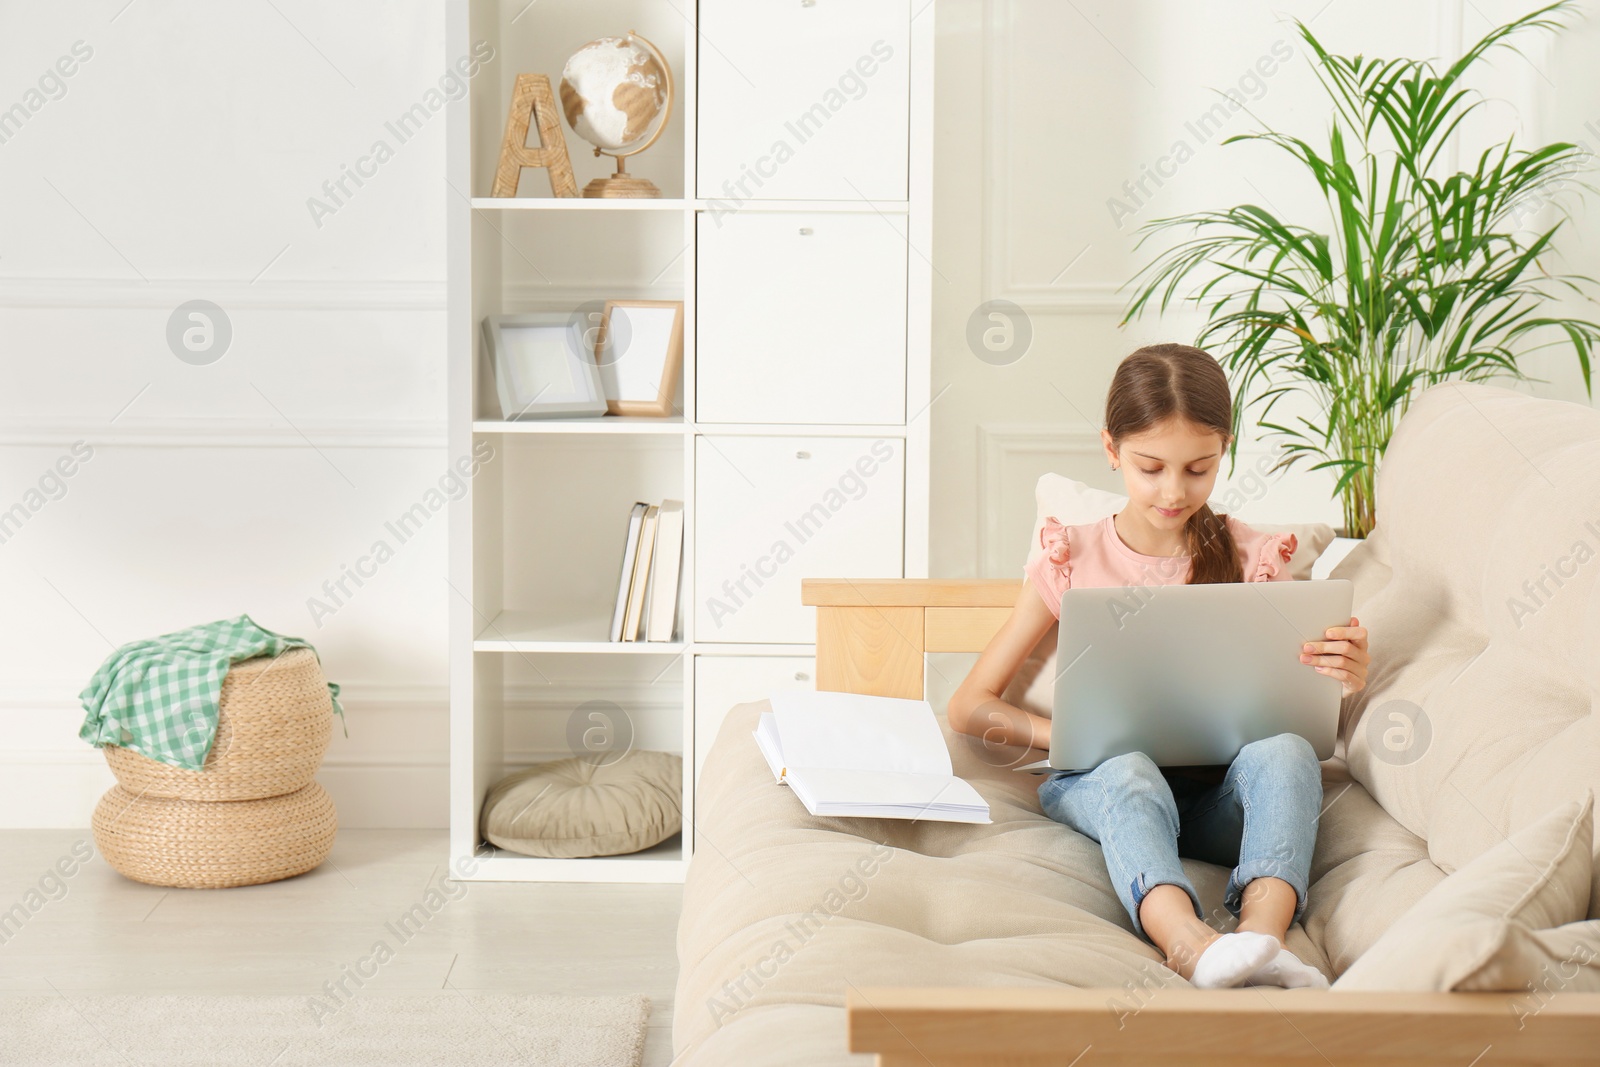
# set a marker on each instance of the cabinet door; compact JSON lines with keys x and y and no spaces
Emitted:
{"x":802,"y":318}
{"x":720,"y":682}
{"x":804,"y":101}
{"x":772,"y":510}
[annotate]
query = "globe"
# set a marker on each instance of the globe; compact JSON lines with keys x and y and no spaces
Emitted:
{"x":613,"y":90}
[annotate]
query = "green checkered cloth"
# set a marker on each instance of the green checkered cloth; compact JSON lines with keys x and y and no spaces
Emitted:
{"x":160,"y":697}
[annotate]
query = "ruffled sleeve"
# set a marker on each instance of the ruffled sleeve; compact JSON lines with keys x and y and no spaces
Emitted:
{"x":1051,"y":570}
{"x":1272,"y":564}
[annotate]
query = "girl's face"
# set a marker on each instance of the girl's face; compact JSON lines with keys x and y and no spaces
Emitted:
{"x":1169,"y":470}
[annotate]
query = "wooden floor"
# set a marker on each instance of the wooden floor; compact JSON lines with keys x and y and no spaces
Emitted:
{"x":106,"y":934}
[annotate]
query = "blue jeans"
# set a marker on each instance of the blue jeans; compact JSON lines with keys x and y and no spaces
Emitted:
{"x":1261,"y":820}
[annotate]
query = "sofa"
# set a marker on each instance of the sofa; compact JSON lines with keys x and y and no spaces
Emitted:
{"x":1455,"y":897}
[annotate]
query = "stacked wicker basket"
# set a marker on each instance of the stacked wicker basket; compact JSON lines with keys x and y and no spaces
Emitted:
{"x":254,"y":812}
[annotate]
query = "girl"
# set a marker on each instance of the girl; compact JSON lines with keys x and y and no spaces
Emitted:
{"x":1169,"y":416}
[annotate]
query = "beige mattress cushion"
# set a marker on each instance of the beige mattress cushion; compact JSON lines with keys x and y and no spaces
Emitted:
{"x":784,"y":908}
{"x":773,"y":1034}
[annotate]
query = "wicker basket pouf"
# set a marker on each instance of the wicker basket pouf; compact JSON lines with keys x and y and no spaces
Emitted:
{"x":274,"y":723}
{"x":195,"y":844}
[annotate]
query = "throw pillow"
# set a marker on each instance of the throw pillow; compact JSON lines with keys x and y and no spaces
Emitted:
{"x":1489,"y":925}
{"x":1544,"y":962}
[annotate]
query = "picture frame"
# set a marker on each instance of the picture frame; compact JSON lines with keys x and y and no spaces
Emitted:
{"x":542,"y":366}
{"x":642,"y":377}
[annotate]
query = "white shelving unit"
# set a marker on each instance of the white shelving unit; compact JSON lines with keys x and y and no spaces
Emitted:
{"x":801,"y":447}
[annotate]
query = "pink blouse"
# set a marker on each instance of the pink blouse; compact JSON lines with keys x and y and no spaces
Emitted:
{"x":1094,"y":555}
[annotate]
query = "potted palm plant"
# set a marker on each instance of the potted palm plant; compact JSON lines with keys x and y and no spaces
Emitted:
{"x":1415,"y":277}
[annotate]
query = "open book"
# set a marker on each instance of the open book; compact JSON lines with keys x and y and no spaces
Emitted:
{"x":876,"y":757}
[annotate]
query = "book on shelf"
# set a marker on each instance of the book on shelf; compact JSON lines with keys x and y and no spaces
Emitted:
{"x":641,"y":573}
{"x":625,"y":582}
{"x":865,"y":756}
{"x":666,"y":572}
{"x":647,"y":584}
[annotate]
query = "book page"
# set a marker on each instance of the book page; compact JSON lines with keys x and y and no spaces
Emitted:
{"x":826,"y":787}
{"x":766,"y":735}
{"x":849,"y":731}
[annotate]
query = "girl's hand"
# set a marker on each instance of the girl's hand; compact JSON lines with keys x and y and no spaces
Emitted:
{"x":1343,"y":655}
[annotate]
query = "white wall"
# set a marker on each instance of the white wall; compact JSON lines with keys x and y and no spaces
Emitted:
{"x":176,"y":164}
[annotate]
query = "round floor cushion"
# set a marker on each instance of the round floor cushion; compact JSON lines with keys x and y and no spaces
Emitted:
{"x":200,"y":844}
{"x":587,"y":806}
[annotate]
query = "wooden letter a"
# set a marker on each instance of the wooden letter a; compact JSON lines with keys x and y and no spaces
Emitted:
{"x":531,"y":97}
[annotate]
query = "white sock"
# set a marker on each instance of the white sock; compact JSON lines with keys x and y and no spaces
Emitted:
{"x":1232,"y":958}
{"x":1289,"y":971}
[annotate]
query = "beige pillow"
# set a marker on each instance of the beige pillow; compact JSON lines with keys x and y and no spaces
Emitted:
{"x":1489,"y":926}
{"x":1563,"y":960}
{"x":1073,"y":503}
{"x":1546,"y":962}
{"x":583,"y":806}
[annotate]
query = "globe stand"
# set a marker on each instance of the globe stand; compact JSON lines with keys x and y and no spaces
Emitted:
{"x":621,"y":185}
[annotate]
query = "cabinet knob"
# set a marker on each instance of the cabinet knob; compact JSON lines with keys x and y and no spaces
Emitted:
{"x":802,"y":455}
{"x":805,"y":231}
{"x":808,"y":3}
{"x":801,"y":676}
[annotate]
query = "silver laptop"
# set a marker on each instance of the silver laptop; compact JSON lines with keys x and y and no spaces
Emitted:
{"x":1190,"y":674}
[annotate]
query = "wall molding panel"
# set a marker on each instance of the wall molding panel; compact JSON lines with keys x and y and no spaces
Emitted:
{"x":1003,"y":444}
{"x":1076,"y":298}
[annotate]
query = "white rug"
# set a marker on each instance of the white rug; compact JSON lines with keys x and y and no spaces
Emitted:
{"x":450,"y":1028}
